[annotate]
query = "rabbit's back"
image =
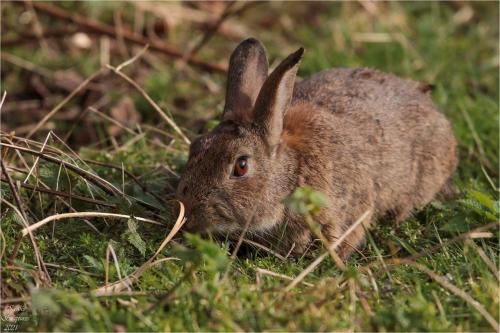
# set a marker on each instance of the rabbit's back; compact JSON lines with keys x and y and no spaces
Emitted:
{"x":360,"y":89}
{"x":388,"y":129}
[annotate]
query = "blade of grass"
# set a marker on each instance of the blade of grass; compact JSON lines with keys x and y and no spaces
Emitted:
{"x":56,"y":217}
{"x":129,"y":280}
{"x":451,"y":287}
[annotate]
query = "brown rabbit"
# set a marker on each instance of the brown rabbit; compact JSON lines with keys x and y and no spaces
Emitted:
{"x":368,"y":140}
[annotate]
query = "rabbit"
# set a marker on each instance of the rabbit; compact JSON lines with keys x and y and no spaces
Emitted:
{"x":369,"y":141}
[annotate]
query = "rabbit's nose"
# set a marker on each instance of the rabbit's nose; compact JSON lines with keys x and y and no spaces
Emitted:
{"x":194,"y":219}
{"x":190,"y":225}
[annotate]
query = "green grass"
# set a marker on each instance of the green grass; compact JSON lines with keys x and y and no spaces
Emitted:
{"x":205,"y":290}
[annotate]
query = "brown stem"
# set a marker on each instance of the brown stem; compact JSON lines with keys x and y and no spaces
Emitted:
{"x":29,"y":37}
{"x":128,"y":173}
{"x":108,"y":188}
{"x":127,"y":35}
{"x":17,"y":198}
{"x":212,"y":29}
{"x":63,"y":194}
{"x":44,"y":274}
{"x":101,"y":183}
{"x":463,"y":236}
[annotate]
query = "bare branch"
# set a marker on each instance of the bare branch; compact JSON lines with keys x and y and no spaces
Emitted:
{"x":64,"y":101}
{"x":127,"y":35}
{"x":63,"y":194}
{"x":151,"y":102}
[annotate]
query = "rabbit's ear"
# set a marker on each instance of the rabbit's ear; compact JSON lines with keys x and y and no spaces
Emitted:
{"x":274,"y":98}
{"x":248,"y":68}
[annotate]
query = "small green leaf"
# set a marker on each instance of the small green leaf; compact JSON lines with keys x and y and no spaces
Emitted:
{"x":96,"y":264}
{"x":481,"y":204}
{"x":485,"y":200}
{"x":306,"y":200}
{"x":134,"y":238}
{"x":204,"y":253}
{"x":458,"y":224}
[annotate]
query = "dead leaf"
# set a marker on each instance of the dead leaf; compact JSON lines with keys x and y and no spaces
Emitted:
{"x":68,"y":79}
{"x":125,"y":113}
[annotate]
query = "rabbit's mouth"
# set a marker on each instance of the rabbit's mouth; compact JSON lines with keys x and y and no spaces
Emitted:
{"x":222,"y":213}
{"x":192,"y":225}
{"x":215,"y":218}
{"x":195,"y":220}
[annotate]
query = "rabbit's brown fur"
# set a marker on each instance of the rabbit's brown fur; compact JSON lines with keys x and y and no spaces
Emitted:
{"x":368,"y":140}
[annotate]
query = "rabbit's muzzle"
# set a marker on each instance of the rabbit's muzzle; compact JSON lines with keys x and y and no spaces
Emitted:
{"x":194,"y":220}
{"x":207,"y":212}
{"x":208,"y":217}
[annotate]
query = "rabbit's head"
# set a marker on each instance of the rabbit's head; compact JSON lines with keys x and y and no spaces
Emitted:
{"x":239,"y":172}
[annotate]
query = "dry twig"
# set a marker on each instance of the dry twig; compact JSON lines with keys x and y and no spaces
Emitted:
{"x":3,"y":100}
{"x":63,"y":194}
{"x":212,"y":29}
{"x":30,"y":37}
{"x":451,"y":287}
{"x":265,"y":248}
{"x":129,"y":174}
{"x":463,"y":236}
{"x":64,"y":101}
{"x":322,"y":257}
{"x":127,"y":35}
{"x":493,"y":268}
{"x":261,"y":271}
{"x":102,"y":183}
{"x":44,"y":274}
{"x":151,"y":102}
{"x":56,"y":217}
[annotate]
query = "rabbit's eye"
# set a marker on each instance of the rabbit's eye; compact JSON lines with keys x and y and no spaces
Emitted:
{"x":240,"y":167}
